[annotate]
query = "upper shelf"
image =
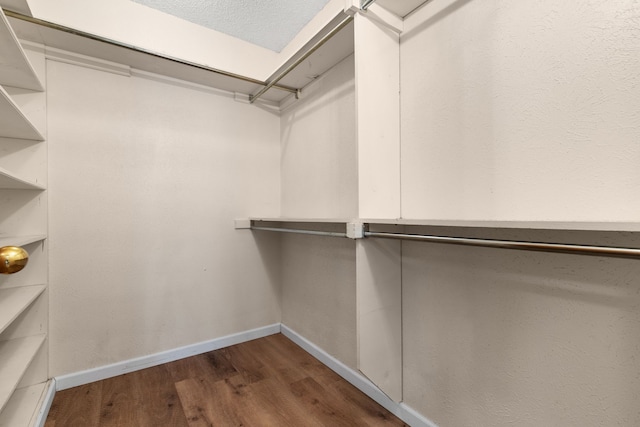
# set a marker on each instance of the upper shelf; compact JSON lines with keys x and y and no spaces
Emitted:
{"x":401,"y":7}
{"x":523,"y":225}
{"x":21,"y":6}
{"x":336,"y":49}
{"x":15,"y":68}
{"x":303,"y":220}
{"x":13,"y":123}
{"x":12,"y":182}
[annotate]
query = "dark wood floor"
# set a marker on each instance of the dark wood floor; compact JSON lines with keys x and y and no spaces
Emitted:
{"x":266,"y":382}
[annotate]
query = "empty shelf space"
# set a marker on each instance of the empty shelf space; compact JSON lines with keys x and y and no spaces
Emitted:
{"x":15,"y":357}
{"x":14,"y":301}
{"x":14,"y":124}
{"x":24,"y":405}
{"x":10,"y":181}
{"x":15,"y":68}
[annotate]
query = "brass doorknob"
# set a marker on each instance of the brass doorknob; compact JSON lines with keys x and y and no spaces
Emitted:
{"x":12,"y":259}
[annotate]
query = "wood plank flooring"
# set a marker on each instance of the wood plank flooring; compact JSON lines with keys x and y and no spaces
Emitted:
{"x":266,"y":382}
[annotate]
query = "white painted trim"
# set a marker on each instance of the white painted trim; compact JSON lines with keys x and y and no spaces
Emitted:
{"x":33,"y":46}
{"x":400,"y":410}
{"x":414,"y":418}
{"x":96,"y":374}
{"x":45,"y":404}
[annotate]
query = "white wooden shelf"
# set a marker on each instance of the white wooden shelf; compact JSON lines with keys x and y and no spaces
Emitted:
{"x":19,"y":407}
{"x":15,"y":68}
{"x":13,"y":123}
{"x":14,"y":301}
{"x":21,"y":240}
{"x":401,"y":8}
{"x":22,"y":408}
{"x":303,"y":220}
{"x":15,"y":357}
{"x":10,"y":181}
{"x":521,"y":225}
{"x":525,"y":225}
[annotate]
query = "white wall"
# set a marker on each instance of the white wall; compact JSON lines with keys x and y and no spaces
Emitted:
{"x":319,"y":167}
{"x":499,"y":337}
{"x":319,"y":292}
{"x":525,"y":110}
{"x":146,"y":177}
{"x":319,"y":180}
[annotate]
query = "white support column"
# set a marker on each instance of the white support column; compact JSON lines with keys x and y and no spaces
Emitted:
{"x":378,"y":271}
{"x":377,"y":57}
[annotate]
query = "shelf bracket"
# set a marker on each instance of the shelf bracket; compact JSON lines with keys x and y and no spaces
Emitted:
{"x":355,"y":230}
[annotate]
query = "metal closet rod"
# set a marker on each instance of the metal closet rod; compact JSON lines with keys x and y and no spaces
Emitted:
{"x":316,"y":46}
{"x":90,"y":36}
{"x":607,"y":251}
{"x":511,"y":244}
{"x":364,"y":4}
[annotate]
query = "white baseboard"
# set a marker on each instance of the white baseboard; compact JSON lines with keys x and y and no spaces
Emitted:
{"x":400,"y":410}
{"x":96,"y":374}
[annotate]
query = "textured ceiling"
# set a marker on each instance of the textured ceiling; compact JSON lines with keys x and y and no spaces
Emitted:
{"x":271,"y":24}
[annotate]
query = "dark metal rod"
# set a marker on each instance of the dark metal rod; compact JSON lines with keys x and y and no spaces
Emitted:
{"x":323,"y":40}
{"x":508,"y":244}
{"x":90,"y":36}
{"x":298,"y":231}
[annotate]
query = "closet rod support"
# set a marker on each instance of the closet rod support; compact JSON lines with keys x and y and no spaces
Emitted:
{"x":510,"y":244}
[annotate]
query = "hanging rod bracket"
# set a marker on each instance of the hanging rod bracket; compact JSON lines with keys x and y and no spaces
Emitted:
{"x":355,"y":230}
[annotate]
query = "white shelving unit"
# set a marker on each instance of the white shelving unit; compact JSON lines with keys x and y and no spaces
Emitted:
{"x":23,"y":296}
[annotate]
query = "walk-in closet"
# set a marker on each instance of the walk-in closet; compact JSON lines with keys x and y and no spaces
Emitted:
{"x":435,"y":202}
